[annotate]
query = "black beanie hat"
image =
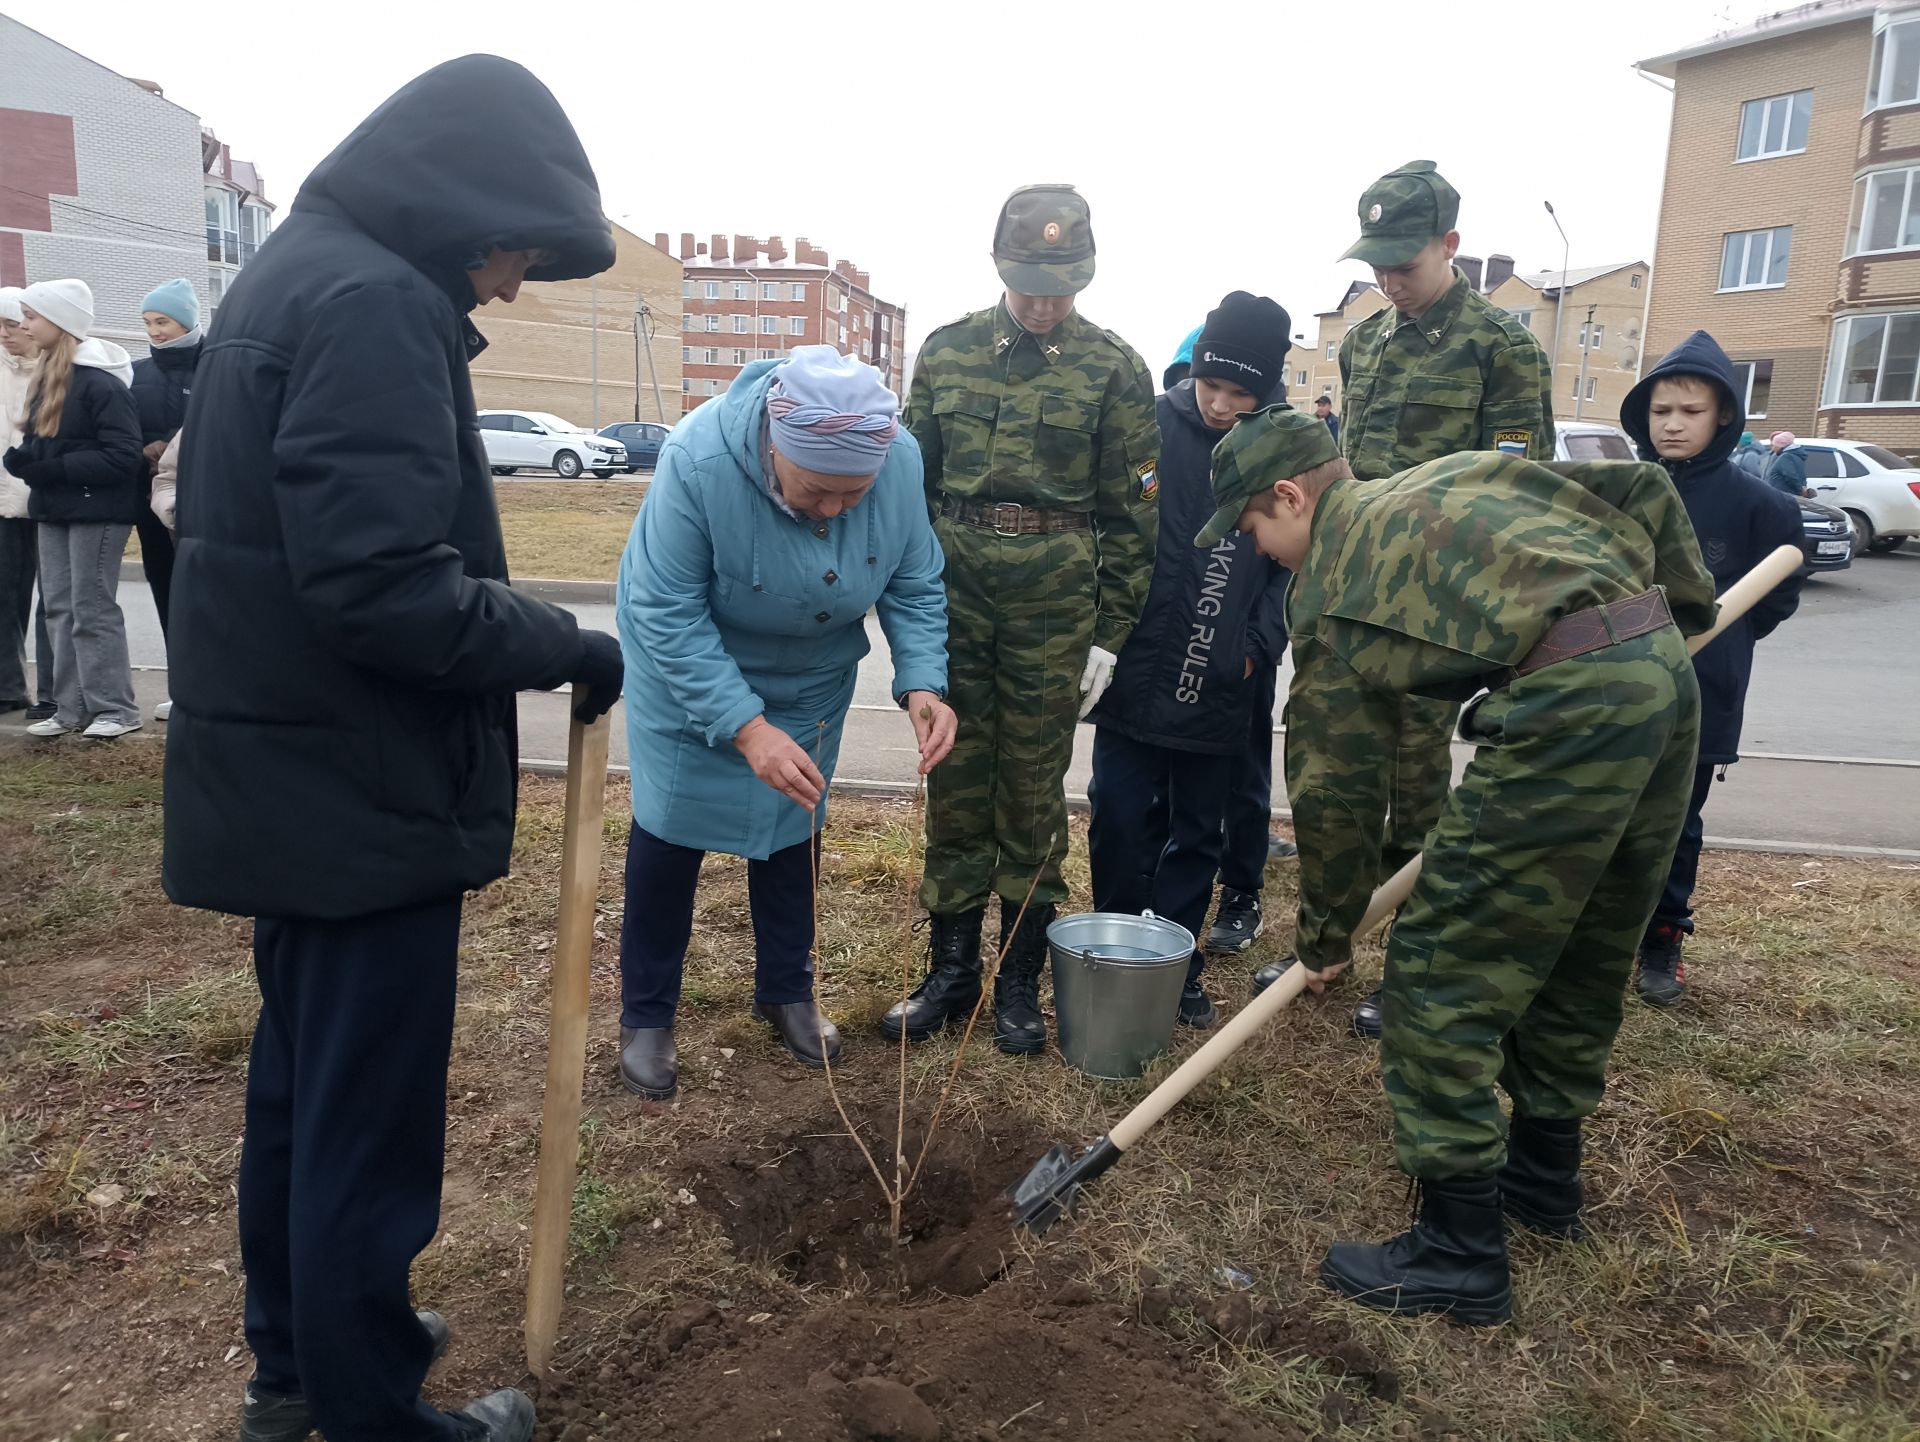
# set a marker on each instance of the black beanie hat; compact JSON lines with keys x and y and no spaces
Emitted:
{"x":1245,"y":343}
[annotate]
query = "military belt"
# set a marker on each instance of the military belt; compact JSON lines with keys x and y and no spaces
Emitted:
{"x":1597,"y":628}
{"x":1010,"y":518}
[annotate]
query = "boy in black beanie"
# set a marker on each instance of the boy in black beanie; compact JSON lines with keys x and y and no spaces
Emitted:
{"x":1174,"y":725}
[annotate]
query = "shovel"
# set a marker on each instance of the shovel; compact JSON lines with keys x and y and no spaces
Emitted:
{"x":1049,"y":1190}
{"x":566,"y":1036}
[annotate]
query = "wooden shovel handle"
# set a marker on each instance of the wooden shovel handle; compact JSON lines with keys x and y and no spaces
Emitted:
{"x":566,"y":1036}
{"x":1248,"y":1020}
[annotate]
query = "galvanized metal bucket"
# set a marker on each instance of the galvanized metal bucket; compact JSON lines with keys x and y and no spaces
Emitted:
{"x":1116,"y":988}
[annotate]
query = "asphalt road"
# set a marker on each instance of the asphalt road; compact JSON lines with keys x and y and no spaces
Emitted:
{"x":1836,"y":687}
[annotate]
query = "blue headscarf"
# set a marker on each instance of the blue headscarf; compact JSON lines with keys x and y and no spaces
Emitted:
{"x":832,"y":413}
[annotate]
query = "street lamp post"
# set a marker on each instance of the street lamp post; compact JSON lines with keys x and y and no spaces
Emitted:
{"x":1560,"y":299}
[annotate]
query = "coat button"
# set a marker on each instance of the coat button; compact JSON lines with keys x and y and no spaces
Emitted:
{"x":873,"y":560}
{"x":821,"y":530}
{"x":824,"y":616}
{"x":757,"y":588}
{"x":831,"y":577}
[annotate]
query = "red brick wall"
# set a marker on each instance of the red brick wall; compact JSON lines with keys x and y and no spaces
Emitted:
{"x":36,"y":161}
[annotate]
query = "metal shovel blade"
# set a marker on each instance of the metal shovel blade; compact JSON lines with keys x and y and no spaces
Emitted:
{"x":1052,"y":1185}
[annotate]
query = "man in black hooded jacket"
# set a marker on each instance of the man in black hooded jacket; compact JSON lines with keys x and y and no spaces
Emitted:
{"x":1686,"y":414}
{"x":342,"y":758}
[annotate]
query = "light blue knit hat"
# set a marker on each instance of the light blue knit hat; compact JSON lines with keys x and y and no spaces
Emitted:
{"x":174,"y":298}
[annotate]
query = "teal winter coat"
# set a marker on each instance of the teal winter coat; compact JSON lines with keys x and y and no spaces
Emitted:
{"x":730,"y":608}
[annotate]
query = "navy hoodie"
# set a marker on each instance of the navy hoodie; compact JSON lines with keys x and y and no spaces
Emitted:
{"x":1181,"y":680}
{"x":1739,"y":521}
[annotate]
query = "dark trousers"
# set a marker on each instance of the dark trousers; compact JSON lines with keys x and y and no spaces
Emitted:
{"x":156,"y":559}
{"x":1243,"y":864}
{"x":1155,"y":835}
{"x":1676,"y":901}
{"x":19,"y":564}
{"x":658,"y":924}
{"x":340,"y":1170}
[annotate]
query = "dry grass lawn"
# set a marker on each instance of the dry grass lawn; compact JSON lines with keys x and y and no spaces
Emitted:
{"x":567,"y":530}
{"x":1752,"y":1273}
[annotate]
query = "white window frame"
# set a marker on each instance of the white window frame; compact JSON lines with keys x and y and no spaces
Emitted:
{"x":686,"y":290}
{"x":796,"y":325}
{"x":1858,"y":225}
{"x":712,"y":290}
{"x":1746,"y":238}
{"x":1751,"y":370}
{"x":710,"y":356}
{"x":743,"y":325}
{"x":1633,"y":281}
{"x":739,"y":356}
{"x":799,"y":291}
{"x":769,"y":290}
{"x":1881,"y":65}
{"x":1593,"y":383}
{"x":1333,"y":350}
{"x":686,"y":355}
{"x":713,"y":323}
{"x":769,"y":325}
{"x":1836,"y":359}
{"x":743,"y":290}
{"x":1766,"y":104}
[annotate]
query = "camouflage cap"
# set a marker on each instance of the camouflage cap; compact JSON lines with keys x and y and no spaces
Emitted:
{"x":1043,"y":242}
{"x":1275,"y":444}
{"x":1401,"y":211}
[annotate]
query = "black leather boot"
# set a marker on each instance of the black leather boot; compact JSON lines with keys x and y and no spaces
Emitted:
{"x":1267,"y":975}
{"x":272,"y":1417}
{"x":1540,"y":1184}
{"x":1018,"y":1027}
{"x":1369,"y":1016}
{"x":649,"y":1062}
{"x":1453,"y":1260}
{"x":800,"y":1027}
{"x":953,"y":980}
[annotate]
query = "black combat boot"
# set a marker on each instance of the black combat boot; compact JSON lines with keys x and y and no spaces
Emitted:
{"x":1267,"y":975}
{"x":1453,"y":1260}
{"x":1018,"y":1027}
{"x":953,"y":980}
{"x":1540,"y":1184}
{"x":1370,"y":1016}
{"x":273,"y":1417}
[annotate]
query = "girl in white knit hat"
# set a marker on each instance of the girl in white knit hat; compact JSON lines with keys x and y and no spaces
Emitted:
{"x":79,"y":455}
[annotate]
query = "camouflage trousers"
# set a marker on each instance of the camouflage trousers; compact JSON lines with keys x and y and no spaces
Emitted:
{"x":1422,"y":772}
{"x":1509,"y":963}
{"x":1020,"y":613}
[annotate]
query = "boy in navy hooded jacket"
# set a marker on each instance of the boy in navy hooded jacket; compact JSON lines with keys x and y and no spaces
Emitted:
{"x":1686,"y":414}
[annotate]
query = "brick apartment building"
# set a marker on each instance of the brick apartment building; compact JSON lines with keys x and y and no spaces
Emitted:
{"x":754,"y":300}
{"x":104,"y":178}
{"x":580,"y":349}
{"x":1790,"y":221}
{"x":1600,"y":322}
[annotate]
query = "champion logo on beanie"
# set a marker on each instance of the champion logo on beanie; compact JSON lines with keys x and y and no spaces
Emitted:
{"x":1245,"y":343}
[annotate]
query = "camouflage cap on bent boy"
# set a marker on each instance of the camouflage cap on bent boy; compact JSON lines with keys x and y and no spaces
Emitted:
{"x":1043,"y":241}
{"x":1275,"y":444}
{"x":1401,"y":211}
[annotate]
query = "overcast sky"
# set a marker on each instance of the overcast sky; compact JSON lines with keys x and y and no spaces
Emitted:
{"x":1222,"y":146}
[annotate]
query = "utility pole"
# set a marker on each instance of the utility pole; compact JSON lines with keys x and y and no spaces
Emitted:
{"x":643,"y":324}
{"x":1586,"y":349}
{"x":1560,"y":298}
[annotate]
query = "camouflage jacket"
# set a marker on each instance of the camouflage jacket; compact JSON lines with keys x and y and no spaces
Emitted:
{"x":1429,"y":583}
{"x":1064,"y":420}
{"x":1466,"y":376}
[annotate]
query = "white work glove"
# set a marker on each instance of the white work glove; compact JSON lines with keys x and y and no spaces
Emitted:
{"x":1096,"y":678}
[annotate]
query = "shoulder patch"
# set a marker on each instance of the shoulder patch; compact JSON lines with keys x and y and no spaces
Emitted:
{"x":1149,"y":479}
{"x":1512,"y":442}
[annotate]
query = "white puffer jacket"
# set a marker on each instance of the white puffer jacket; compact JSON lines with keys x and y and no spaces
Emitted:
{"x":16,"y":377}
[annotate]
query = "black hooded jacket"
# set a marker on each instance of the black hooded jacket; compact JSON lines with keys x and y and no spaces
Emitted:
{"x":162,"y":385}
{"x":1181,"y":681}
{"x":344,"y":649}
{"x":1739,"y":522}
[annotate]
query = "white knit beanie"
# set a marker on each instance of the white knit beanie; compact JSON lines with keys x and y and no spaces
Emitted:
{"x":10,"y":303}
{"x":67,"y":303}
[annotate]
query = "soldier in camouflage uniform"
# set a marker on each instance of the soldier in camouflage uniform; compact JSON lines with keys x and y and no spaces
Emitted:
{"x":1037,"y":431}
{"x":1444,"y":371}
{"x":1568,"y":590}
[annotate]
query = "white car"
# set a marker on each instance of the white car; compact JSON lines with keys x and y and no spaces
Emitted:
{"x":1590,"y":441}
{"x":1879,"y":491}
{"x":538,"y":441}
